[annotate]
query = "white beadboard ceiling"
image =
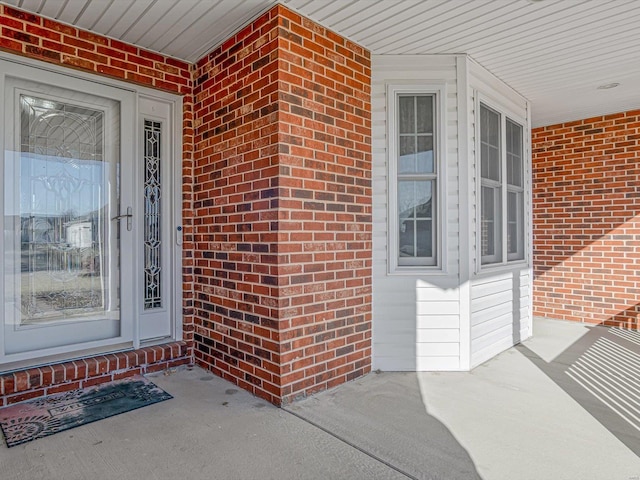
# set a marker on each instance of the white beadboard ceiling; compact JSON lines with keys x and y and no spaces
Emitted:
{"x":554,"y":52}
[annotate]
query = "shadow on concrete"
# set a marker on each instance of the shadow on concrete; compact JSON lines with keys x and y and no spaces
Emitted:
{"x":384,"y":416}
{"x":601,"y":371}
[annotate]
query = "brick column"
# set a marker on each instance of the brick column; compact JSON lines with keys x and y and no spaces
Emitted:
{"x":282,"y":208}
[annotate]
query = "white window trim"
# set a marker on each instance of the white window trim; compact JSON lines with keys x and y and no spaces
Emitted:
{"x":439,"y":90}
{"x":505,"y":113}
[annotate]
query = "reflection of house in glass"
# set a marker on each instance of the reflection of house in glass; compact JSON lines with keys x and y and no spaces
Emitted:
{"x":79,"y":234}
{"x":51,"y":242}
{"x":60,"y":264}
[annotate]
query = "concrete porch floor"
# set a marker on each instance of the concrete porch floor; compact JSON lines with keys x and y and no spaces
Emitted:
{"x":530,"y":413}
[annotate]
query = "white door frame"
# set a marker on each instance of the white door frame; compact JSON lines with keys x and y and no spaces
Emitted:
{"x":78,"y":80}
{"x":152,"y":325}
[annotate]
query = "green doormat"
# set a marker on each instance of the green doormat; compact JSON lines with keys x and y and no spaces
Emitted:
{"x":42,"y":417}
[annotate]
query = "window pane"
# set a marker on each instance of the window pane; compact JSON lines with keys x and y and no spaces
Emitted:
{"x":512,"y":210}
{"x":424,"y":104}
{"x":515,"y":225}
{"x":415,"y":209}
{"x":424,"y":238}
{"x":406,"y":114}
{"x":488,"y":220}
{"x":64,"y":232}
{"x":490,"y":162}
{"x":407,"y":161}
{"x":484,"y":165}
{"x":415,"y":197}
{"x":490,"y":244}
{"x":490,"y":144}
{"x":514,"y":154}
{"x":514,"y":170}
{"x":490,"y":126}
{"x":425,"y":155}
{"x":406,"y":199}
{"x":424,"y":197}
{"x":406,"y":245}
{"x":411,"y":161}
{"x":493,"y":163}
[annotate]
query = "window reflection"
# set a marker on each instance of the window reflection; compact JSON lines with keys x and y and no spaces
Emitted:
{"x":63,"y":186}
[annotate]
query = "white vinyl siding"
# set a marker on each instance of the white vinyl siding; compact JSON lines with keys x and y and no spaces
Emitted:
{"x":500,"y":305}
{"x":500,"y":313}
{"x":416,"y":322}
{"x":455,"y":315}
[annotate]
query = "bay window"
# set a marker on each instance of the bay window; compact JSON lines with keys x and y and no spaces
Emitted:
{"x":501,"y":188}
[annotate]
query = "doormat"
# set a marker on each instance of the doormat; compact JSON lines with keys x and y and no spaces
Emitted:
{"x":45,"y":416}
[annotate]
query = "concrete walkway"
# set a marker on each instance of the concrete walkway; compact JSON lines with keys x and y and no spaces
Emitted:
{"x":512,"y":418}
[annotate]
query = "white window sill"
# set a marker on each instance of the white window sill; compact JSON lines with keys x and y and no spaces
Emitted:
{"x":407,"y":271}
{"x":514,"y":265}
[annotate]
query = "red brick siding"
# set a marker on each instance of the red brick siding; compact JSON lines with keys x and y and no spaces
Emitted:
{"x":325,"y":207}
{"x":235,"y":209}
{"x":32,"y":36}
{"x":586,"y":192}
{"x":42,"y":39}
{"x":188,"y":245}
{"x":60,"y":377}
{"x":276,"y":193}
{"x":282,"y":208}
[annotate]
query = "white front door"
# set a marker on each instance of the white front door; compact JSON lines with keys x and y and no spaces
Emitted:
{"x":85,"y":252}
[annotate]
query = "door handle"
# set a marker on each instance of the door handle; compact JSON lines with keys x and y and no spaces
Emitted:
{"x":128,"y":216}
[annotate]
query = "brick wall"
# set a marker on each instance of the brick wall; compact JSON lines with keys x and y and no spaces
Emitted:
{"x":235,"y":209}
{"x":31,"y":36}
{"x":325,"y":207}
{"x":586,"y":192}
{"x":282,"y":208}
{"x":43,"y":39}
{"x":276,"y":195}
{"x":62,"y":377}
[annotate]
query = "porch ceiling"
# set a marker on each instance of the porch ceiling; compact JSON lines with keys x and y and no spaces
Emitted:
{"x":554,"y":52}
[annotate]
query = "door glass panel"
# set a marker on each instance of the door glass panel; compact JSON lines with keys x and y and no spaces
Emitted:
{"x":61,"y":255}
{"x":152,"y":215}
{"x":64,"y":197}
